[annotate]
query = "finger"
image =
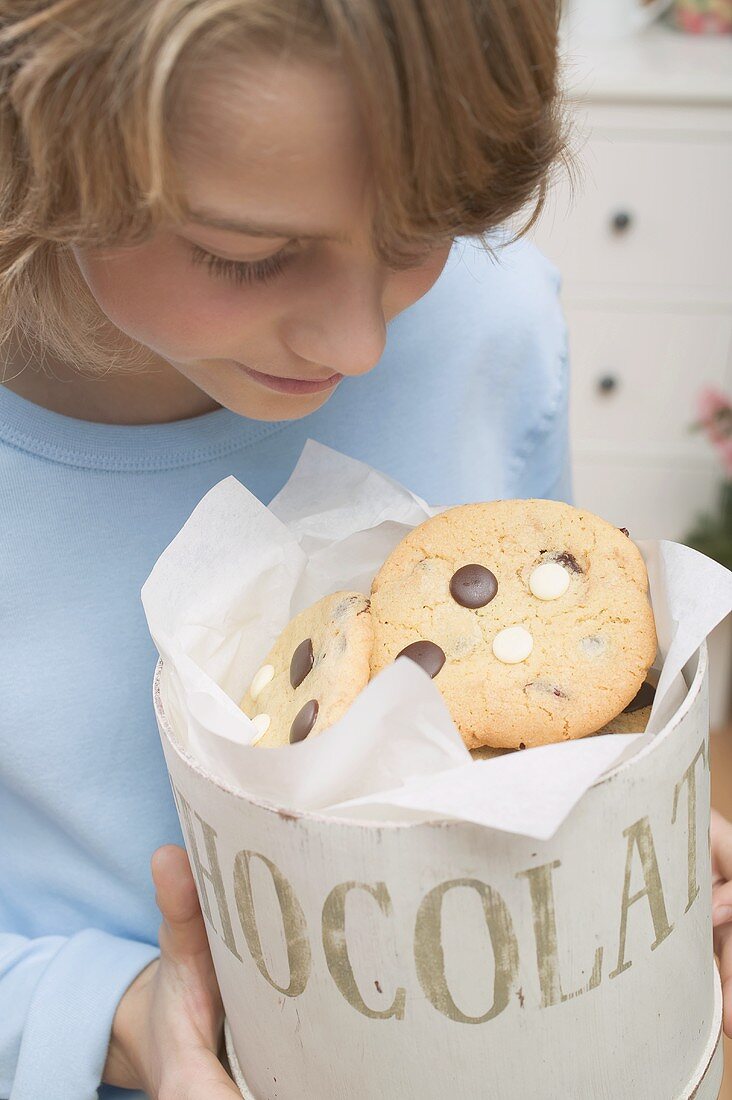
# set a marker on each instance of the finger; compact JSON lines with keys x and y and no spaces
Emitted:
{"x":185,"y":956}
{"x":721,"y":938}
{"x":219,"y":1085}
{"x":183,"y":933}
{"x":721,"y":903}
{"x":721,"y":836}
{"x":203,"y":1078}
{"x":723,"y":948}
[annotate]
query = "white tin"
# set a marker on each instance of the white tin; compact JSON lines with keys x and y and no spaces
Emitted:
{"x":426,"y":962}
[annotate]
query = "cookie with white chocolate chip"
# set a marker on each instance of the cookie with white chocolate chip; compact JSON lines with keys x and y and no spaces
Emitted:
{"x":314,"y":671}
{"x":531,"y":616}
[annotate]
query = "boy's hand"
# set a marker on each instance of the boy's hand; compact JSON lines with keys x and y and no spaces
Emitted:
{"x":722,"y":908}
{"x":167,"y":1027}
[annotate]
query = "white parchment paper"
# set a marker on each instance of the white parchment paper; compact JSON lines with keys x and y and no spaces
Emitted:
{"x":236,"y":574}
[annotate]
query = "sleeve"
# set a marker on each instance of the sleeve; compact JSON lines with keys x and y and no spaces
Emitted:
{"x":547,"y":469}
{"x":58,"y":997}
{"x":544,"y":458}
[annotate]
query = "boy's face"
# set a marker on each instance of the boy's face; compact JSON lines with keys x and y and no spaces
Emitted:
{"x":271,"y":293}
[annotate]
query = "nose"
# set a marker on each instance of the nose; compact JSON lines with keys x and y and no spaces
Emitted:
{"x":340,"y":322}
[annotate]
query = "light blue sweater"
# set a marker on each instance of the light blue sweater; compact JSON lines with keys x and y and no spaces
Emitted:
{"x":469,"y":402}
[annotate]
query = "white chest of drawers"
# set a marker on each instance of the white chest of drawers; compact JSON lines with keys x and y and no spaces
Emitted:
{"x":644,"y":245}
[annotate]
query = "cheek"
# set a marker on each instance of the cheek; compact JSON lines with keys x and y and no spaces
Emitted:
{"x":406,"y":287}
{"x":156,"y":296}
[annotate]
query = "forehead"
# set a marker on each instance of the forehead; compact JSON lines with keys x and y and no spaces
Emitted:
{"x":274,"y":140}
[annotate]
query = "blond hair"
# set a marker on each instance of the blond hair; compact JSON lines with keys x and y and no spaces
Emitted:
{"x":459,"y":98}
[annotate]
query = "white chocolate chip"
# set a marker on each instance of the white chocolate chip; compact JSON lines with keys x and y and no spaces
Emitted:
{"x":261,"y":679}
{"x":512,"y":645}
{"x":261,"y":723}
{"x":549,"y":581}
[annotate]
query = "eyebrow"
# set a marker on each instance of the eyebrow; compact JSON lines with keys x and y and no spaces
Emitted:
{"x":219,"y":221}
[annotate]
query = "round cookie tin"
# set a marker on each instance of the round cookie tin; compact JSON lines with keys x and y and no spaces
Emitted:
{"x":431,"y":960}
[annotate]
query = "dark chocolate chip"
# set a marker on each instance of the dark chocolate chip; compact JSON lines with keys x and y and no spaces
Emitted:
{"x":644,"y":698}
{"x":624,"y":531}
{"x":425,"y":654}
{"x":304,"y":721}
{"x":301,"y":663}
{"x":568,"y":560}
{"x":473,"y":586}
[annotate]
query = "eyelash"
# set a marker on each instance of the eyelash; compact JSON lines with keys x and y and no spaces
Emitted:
{"x":239,"y":272}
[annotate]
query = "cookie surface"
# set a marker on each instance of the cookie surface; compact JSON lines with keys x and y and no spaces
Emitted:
{"x":635,"y":717}
{"x":314,"y":671}
{"x":626,"y":722}
{"x":532,"y":616}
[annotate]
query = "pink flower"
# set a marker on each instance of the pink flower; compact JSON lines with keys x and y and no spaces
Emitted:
{"x":715,"y":417}
{"x":690,"y":21}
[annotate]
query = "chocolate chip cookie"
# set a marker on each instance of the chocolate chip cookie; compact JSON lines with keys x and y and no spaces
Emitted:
{"x":635,"y":716}
{"x":531,"y":616}
{"x":314,"y":671}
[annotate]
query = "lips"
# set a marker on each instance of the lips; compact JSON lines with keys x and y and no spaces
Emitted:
{"x":295,"y":386}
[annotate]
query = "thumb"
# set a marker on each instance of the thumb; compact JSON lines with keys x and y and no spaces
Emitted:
{"x":722,"y":904}
{"x":183,"y":933}
{"x":721,"y":836}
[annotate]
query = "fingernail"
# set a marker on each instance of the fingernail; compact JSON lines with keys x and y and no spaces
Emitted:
{"x":721,"y":914}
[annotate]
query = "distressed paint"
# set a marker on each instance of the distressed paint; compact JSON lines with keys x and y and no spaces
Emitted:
{"x":546,"y":936}
{"x":429,"y":956}
{"x":427,"y":961}
{"x":291,"y":916}
{"x":640,"y":838}
{"x":335,"y":946}
{"x":689,"y":780}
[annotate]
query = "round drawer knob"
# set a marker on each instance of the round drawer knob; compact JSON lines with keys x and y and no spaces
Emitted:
{"x":621,"y":221}
{"x":607,"y":384}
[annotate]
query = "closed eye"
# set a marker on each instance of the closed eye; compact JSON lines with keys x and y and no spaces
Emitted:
{"x":240,"y":272}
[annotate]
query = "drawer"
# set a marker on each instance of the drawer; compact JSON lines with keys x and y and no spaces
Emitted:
{"x":647,"y":210}
{"x":653,"y":499}
{"x":636,"y":375}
